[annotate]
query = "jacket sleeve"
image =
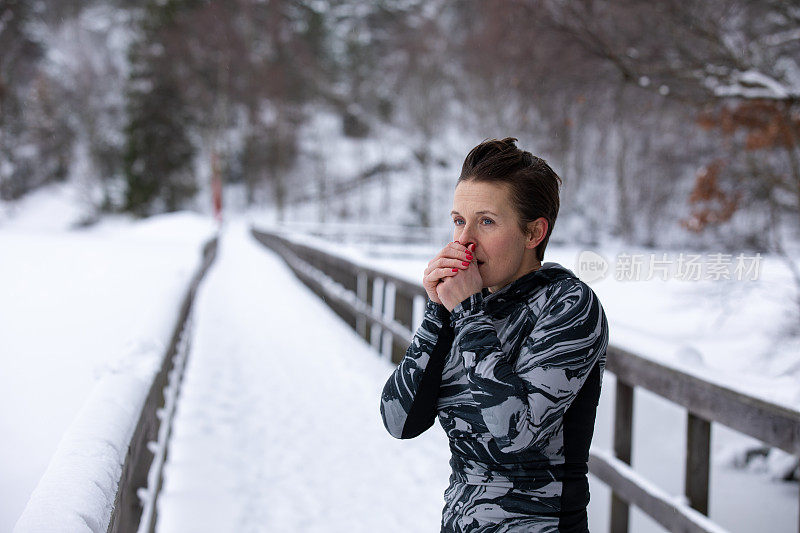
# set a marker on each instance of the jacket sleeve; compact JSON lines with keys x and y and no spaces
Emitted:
{"x":408,"y":402}
{"x":524,"y":408}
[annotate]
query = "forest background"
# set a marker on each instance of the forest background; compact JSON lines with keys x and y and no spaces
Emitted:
{"x":673,"y":124}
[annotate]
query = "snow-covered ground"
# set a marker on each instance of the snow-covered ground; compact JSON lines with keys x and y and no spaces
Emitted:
{"x":77,"y":307}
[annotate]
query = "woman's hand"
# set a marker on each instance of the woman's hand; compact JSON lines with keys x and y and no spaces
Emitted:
{"x":463,"y":284}
{"x":447,"y":263}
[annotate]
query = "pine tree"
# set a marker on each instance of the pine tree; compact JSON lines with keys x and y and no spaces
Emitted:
{"x":159,"y":151}
{"x":18,"y":61}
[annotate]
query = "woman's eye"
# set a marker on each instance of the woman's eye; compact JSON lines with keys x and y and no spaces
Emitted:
{"x":484,"y":221}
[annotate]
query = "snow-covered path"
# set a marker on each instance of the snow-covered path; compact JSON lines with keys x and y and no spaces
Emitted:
{"x":278,"y":427}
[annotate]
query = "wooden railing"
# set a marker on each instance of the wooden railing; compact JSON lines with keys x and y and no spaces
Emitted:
{"x":127,"y":513}
{"x":386,"y":310}
{"x":383,"y":309}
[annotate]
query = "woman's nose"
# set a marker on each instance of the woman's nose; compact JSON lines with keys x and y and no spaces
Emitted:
{"x":466,"y":238}
{"x":466,"y":234}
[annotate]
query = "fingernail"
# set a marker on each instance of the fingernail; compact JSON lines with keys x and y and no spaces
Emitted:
{"x":469,"y":257}
{"x":455,"y":270}
{"x":465,"y":263}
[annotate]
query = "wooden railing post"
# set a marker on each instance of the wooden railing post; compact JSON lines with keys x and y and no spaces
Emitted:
{"x":377,"y":305}
{"x":698,"y":440}
{"x":404,"y":314}
{"x":418,"y":312}
{"x":362,"y":284}
{"x":389,"y":293}
{"x":623,"y":432}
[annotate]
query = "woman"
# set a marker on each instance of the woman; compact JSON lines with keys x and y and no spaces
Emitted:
{"x":510,"y":355}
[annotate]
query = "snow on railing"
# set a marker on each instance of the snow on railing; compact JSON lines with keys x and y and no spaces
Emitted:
{"x":105,"y":455}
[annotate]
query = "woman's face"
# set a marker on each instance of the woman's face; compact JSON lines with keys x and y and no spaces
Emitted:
{"x":483,"y":214}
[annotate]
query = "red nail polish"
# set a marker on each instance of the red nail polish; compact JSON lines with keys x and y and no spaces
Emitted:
{"x":455,"y":270}
{"x":465,"y":263}
{"x":469,"y":257}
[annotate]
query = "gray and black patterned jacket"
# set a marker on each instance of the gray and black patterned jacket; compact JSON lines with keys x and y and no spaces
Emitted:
{"x":514,"y":378}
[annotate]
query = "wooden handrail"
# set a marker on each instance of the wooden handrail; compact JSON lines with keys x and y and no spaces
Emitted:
{"x":322,"y":272}
{"x":773,"y":424}
{"x":127,"y":511}
{"x":321,"y":282}
{"x":656,"y":503}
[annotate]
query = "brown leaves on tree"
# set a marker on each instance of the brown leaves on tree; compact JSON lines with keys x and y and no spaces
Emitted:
{"x":710,"y":204}
{"x":766,"y":123}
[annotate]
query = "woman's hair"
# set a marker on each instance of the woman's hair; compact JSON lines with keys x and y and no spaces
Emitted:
{"x":533,"y":184}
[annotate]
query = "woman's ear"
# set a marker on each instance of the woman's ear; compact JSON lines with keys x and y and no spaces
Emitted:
{"x":536,"y":232}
